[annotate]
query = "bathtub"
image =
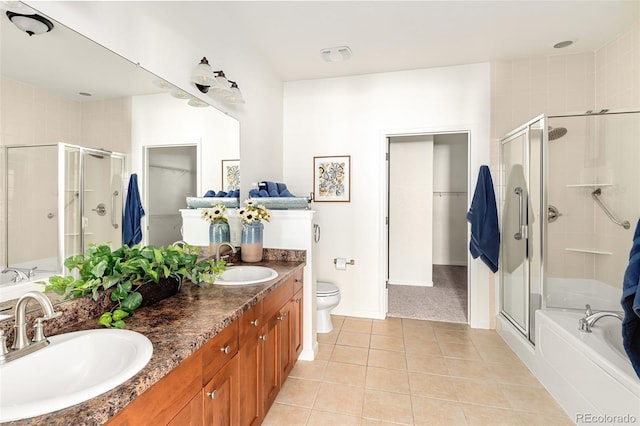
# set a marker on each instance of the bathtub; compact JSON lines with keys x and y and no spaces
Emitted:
{"x":589,"y":374}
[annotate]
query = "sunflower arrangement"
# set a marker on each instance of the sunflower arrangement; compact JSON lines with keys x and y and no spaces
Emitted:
{"x":254,"y":212}
{"x":215,"y":214}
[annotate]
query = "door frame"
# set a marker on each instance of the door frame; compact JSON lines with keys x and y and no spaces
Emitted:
{"x":145,"y":175}
{"x":384,"y":265}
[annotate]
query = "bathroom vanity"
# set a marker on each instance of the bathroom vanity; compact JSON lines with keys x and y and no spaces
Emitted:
{"x":203,"y":337}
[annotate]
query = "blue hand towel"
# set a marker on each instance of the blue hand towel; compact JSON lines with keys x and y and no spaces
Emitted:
{"x":631,"y":304}
{"x":483,"y":217}
{"x":133,"y":212}
{"x":254,"y":193}
{"x":263,"y":193}
{"x":286,"y":193}
{"x":273,"y":194}
{"x":281,"y":187}
{"x":271,"y":188}
{"x":210,"y":193}
{"x":221,"y":194}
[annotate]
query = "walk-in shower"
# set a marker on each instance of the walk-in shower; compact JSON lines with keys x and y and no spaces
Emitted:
{"x":59,"y":199}
{"x":587,"y":183}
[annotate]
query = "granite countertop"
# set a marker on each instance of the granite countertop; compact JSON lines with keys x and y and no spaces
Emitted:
{"x":177,"y":327}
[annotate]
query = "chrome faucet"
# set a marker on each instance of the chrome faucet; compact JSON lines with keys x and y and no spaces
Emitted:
{"x":233,"y":249}
{"x":591,"y":318}
{"x":20,"y":274}
{"x":21,"y":344}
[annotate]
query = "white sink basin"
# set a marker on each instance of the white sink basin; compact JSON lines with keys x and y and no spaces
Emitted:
{"x":73,"y":368}
{"x":244,"y":275}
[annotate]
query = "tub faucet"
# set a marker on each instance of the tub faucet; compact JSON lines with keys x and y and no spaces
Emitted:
{"x":19,"y":276}
{"x":218,"y":250}
{"x":589,"y":321}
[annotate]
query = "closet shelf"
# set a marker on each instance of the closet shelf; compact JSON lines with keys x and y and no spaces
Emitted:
{"x":589,"y":185}
{"x":590,"y":251}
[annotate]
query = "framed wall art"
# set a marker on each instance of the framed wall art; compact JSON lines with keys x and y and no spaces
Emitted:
{"x":230,"y":175}
{"x":332,"y":178}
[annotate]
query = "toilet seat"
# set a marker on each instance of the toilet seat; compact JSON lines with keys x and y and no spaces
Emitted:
{"x":326,"y":289}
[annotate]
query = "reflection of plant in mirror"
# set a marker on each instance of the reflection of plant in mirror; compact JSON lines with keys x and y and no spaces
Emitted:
{"x":215,"y":213}
{"x":128,"y":268}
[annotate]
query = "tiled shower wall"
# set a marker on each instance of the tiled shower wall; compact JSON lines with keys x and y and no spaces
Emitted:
{"x":606,"y":78}
{"x":30,"y":115}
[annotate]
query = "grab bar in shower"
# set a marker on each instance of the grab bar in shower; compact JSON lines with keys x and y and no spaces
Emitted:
{"x":596,"y":196}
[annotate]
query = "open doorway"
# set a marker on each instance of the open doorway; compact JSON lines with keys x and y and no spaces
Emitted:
{"x":427,"y":230}
{"x":171,"y":176}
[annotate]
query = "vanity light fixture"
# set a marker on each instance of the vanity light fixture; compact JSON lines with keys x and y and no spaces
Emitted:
{"x":215,"y":83}
{"x":203,"y":76}
{"x":234,"y":96}
{"x":30,"y":24}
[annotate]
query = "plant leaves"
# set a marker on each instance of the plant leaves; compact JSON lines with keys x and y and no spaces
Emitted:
{"x":105,"y":319}
{"x":119,"y":314}
{"x":132,"y":302}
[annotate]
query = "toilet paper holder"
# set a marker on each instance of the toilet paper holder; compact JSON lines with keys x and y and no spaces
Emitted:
{"x":349,"y":262}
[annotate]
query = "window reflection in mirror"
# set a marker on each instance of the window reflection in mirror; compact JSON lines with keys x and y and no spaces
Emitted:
{"x":62,"y":88}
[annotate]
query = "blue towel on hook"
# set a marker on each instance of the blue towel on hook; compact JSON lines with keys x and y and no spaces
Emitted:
{"x":483,"y":217}
{"x":631,"y":304}
{"x":133,"y":212}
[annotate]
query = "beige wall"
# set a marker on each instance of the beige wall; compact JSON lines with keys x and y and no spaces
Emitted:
{"x":607,"y":78}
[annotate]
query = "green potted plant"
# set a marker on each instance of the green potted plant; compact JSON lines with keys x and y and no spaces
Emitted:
{"x":130,"y":272}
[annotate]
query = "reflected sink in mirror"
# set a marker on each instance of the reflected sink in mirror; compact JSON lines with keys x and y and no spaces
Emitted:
{"x":246,"y":275}
{"x":73,"y":368}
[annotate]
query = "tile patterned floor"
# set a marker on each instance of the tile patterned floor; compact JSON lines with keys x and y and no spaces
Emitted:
{"x":412,"y":372}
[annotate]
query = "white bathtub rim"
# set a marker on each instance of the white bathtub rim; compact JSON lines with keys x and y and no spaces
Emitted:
{"x":593,"y":346}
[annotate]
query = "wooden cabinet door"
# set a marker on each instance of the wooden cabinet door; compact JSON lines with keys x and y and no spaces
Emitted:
{"x":285,"y":352}
{"x":222,"y":396}
{"x":250,"y":359}
{"x":270,"y":362}
{"x":191,"y":414}
{"x":296,"y":325}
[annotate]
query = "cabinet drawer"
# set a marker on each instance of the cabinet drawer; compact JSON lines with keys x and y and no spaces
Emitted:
{"x":277,"y":298}
{"x":298,"y":281}
{"x":251,"y":322}
{"x":218,"y":351}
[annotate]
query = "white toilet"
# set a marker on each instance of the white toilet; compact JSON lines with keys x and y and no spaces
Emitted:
{"x":327,"y":298}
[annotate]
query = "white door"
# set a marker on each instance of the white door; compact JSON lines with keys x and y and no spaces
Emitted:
{"x":411,"y":210}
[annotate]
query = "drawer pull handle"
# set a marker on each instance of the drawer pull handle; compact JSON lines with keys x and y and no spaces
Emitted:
{"x":263,"y":337}
{"x":212,"y":394}
{"x":255,"y":322}
{"x":226,"y":349}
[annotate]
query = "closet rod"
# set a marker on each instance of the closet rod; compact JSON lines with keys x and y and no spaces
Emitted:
{"x":173,"y":169}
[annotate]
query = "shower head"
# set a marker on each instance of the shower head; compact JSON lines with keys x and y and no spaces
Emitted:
{"x":556,"y":133}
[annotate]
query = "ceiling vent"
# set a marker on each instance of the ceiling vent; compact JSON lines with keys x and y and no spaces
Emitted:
{"x":336,"y":54}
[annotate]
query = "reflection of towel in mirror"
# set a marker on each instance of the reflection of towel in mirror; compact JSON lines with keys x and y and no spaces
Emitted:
{"x":631,"y":304}
{"x":513,"y":250}
{"x":210,"y":193}
{"x":483,"y":217}
{"x":133,"y":212}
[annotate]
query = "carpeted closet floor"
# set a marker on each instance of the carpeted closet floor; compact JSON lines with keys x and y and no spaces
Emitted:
{"x":445,"y":301}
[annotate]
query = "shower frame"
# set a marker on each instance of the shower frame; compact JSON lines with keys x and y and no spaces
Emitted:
{"x":526,"y":325}
{"x":528,"y":328}
{"x":61,"y":185}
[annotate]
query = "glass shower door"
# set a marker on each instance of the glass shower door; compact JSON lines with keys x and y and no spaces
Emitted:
{"x":102,"y":202}
{"x":515,"y":269}
{"x":522,"y":246}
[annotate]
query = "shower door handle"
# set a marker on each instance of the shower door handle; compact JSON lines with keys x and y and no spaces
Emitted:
{"x":113,"y":210}
{"x":518,"y":191}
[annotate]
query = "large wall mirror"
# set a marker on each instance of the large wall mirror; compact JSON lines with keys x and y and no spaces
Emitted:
{"x":76,"y":120}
